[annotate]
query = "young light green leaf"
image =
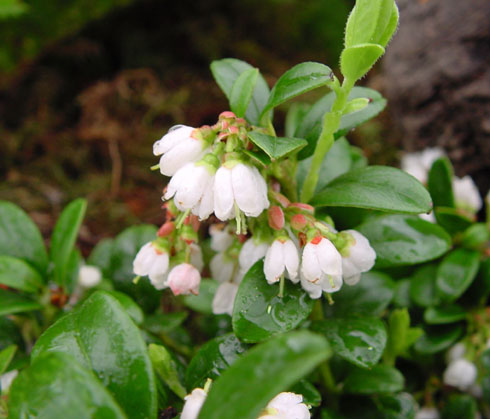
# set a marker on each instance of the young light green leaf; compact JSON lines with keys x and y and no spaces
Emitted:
{"x":166,"y":368}
{"x":356,"y":61}
{"x":276,"y":147}
{"x":359,"y":341}
{"x":400,"y":335}
{"x":15,"y":273}
{"x":456,"y":273}
{"x":401,"y":240}
{"x":57,"y":386}
{"x":245,"y":388}
{"x":226,"y":71}
{"x":380,"y":188}
{"x":11,"y":303}
{"x":64,"y":236}
{"x":379,"y":379}
{"x":444,"y":315}
{"x":390,"y":28}
{"x":213,"y":358}
{"x":6,"y":356}
{"x":20,"y":238}
{"x":298,"y":80}
{"x":440,"y":183}
{"x":259,"y":312}
{"x":102,"y":336}
{"x":242,"y":91}
{"x":355,"y":105}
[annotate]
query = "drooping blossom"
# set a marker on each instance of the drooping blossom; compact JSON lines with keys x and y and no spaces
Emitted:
{"x":357,"y":257}
{"x":281,"y":256}
{"x":152,"y":261}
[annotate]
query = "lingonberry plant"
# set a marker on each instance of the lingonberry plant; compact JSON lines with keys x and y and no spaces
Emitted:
{"x":302,"y":281}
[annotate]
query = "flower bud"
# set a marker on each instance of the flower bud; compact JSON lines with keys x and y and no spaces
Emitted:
{"x":184,"y":279}
{"x":298,"y":222}
{"x":276,"y":218}
{"x":166,"y":229}
{"x":193,"y":404}
{"x":89,"y":276}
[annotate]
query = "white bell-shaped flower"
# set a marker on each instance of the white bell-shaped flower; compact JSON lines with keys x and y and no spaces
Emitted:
{"x":456,"y":351}
{"x":221,"y":237}
{"x":89,"y":276}
{"x":320,"y":259}
{"x":282,"y":255}
{"x":461,"y":374}
{"x":184,"y":279}
{"x":177,"y":148}
{"x":241,"y":185}
{"x":466,"y":194}
{"x":193,"y":404}
{"x":358,"y":257}
{"x":224,"y":298}
{"x":222,"y":267}
{"x":192,"y":189}
{"x":250,"y":253}
{"x":419,"y":164}
{"x":154,"y":262}
{"x":196,"y":256}
{"x":330,"y":283}
{"x":286,"y":406}
{"x":427,"y":413}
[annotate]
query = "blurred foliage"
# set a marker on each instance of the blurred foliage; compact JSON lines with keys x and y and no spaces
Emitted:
{"x":12,"y":8}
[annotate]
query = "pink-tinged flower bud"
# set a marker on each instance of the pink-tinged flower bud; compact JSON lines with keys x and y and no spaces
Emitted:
{"x":303,"y":207}
{"x":279,"y":197}
{"x":227,"y":115}
{"x":166,"y":229}
{"x":193,"y":404}
{"x":233,"y":129}
{"x":184,"y":279}
{"x":298,"y":222}
{"x":276,"y":218}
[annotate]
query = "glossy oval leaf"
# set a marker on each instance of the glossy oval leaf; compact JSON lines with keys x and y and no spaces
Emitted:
{"x":379,"y":379}
{"x":452,"y":220}
{"x":298,"y":80}
{"x":11,"y":303}
{"x":64,"y":236}
{"x":129,"y":305}
{"x":440,"y":183}
{"x":102,"y":336}
{"x":456,"y":273}
{"x":460,"y":406}
{"x":438,"y":338}
{"x":226,"y":71}
{"x":246,"y":387}
{"x":397,"y":406}
{"x":379,"y":188}
{"x":57,"y":386}
{"x":423,"y":286}
{"x":311,"y":124}
{"x":370,"y":296}
{"x":6,"y":356}
{"x":242,"y":91}
{"x":356,"y":61}
{"x":101,"y":256}
{"x":404,"y":240}
{"x":360,"y":341}
{"x":17,"y":274}
{"x":276,"y":147}
{"x":444,"y":315}
{"x":259,"y":312}
{"x":213,"y":358}
{"x":20,"y":237}
{"x":203,"y":302}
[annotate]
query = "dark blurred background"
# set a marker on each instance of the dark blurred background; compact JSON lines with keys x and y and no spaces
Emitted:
{"x":87,"y":86}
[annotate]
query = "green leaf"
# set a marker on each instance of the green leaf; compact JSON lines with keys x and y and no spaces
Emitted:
{"x":242,"y":91}
{"x":456,"y":273}
{"x":226,"y":71}
{"x":402,"y":293}
{"x":11,"y":303}
{"x":166,"y":368}
{"x":213,"y":358}
{"x":398,"y":406}
{"x":401,"y":240}
{"x":423,"y":286}
{"x":336,"y":162}
{"x":259,"y":312}
{"x":400,"y":335}
{"x":202,"y":302}
{"x":476,"y":236}
{"x":64,"y":236}
{"x":440,"y":183}
{"x":12,"y":8}
{"x":245,"y":388}
{"x":359,"y":341}
{"x":309,"y":392}
{"x":294,"y":116}
{"x":380,"y":188}
{"x":460,"y":406}
{"x":129,"y":305}
{"x":163,"y":323}
{"x":276,"y":147}
{"x":356,"y":61}
{"x":451,"y":220}
{"x":444,"y":315}
{"x":102,"y":336}
{"x":355,"y":105}
{"x":437,"y":339}
{"x":311,"y":124}
{"x":370,"y":296}
{"x":298,"y":80}
{"x":124,"y":249}
{"x":56,"y":386}
{"x":379,"y":379}
{"x":20,"y":238}
{"x":371,"y":21}
{"x":15,"y":273}
{"x":101,"y":256}
{"x":6,"y":356}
